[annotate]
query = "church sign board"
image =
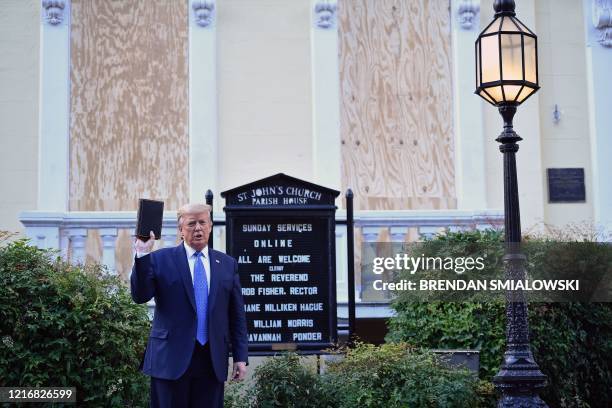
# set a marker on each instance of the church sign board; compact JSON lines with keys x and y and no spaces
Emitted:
{"x":281,"y":230}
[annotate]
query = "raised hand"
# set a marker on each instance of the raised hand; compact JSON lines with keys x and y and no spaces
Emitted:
{"x":142,"y":247}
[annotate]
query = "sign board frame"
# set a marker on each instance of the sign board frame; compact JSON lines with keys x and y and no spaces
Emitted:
{"x":273,"y":202}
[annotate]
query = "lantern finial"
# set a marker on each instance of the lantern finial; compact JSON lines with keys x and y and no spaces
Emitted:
{"x":504,"y":8}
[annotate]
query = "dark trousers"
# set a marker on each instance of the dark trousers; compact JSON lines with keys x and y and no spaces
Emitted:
{"x":197,"y":388}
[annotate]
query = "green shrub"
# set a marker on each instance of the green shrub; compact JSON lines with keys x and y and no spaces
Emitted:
{"x":394,"y":375}
{"x":387,"y":376}
{"x":572,"y":342}
{"x":70,"y":326}
{"x":453,"y":325}
{"x":238,"y":394}
{"x":284,"y":381}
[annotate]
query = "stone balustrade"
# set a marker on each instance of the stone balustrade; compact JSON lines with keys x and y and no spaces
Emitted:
{"x":68,"y":232}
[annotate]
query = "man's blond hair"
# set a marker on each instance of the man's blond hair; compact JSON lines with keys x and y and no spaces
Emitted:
{"x":194,"y":208}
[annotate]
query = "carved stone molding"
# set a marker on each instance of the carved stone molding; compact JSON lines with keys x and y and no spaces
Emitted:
{"x":602,"y":20}
{"x":204,"y":12}
{"x":54,"y":11}
{"x":326,"y":14}
{"x":466,"y":13}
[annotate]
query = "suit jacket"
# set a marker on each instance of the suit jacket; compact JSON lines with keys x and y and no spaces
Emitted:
{"x":164,"y":274}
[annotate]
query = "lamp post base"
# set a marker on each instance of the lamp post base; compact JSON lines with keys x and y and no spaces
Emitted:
{"x":519,"y":379}
{"x":520,"y":401}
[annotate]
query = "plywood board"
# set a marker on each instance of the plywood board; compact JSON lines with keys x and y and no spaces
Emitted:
{"x":129,"y":104}
{"x":396,"y":103}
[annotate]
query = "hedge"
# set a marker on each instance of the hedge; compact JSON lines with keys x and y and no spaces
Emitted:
{"x":572,"y":342}
{"x":69,"y":326}
{"x":386,"y":376}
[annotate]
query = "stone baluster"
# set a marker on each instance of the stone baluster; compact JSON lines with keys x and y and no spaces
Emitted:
{"x":341,"y":266}
{"x":456,"y":228}
{"x":169,"y":237}
{"x":216,"y":237}
{"x":109,"y":239}
{"x":398,"y":234}
{"x":78,"y":237}
{"x":426,"y":232}
{"x":370,"y":234}
{"x":43,"y":237}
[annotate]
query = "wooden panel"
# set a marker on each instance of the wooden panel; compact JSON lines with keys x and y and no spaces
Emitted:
{"x":129,"y":104}
{"x":396,"y":103}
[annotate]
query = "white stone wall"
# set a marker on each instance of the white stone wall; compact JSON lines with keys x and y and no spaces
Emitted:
{"x":526,"y":124}
{"x":264,"y":90}
{"x":563,"y":79}
{"x":19,"y":59}
{"x":598,"y":55}
{"x":559,"y":25}
{"x":265,"y":118}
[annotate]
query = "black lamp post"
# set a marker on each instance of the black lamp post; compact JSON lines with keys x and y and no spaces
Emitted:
{"x":506,"y":75}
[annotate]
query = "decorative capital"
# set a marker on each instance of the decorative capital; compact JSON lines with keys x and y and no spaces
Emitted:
{"x":204,"y":12}
{"x":325,"y":14}
{"x":602,"y":20}
{"x":467,"y":13}
{"x":53,"y":11}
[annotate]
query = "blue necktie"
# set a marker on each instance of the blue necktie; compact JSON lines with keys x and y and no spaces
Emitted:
{"x":200,"y":288}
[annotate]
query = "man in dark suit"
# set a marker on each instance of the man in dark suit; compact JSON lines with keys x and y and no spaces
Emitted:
{"x":199,"y":313}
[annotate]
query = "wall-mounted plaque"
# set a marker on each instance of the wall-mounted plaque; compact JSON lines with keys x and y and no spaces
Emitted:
{"x":566,"y":185}
{"x":281,"y":230}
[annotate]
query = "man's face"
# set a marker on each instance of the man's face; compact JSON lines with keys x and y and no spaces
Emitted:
{"x":195,"y":229}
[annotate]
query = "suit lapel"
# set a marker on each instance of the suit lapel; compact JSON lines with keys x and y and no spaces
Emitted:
{"x":214,"y":278}
{"x":183,"y":268}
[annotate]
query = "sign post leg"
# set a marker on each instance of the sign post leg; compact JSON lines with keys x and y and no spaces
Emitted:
{"x":350,"y":237}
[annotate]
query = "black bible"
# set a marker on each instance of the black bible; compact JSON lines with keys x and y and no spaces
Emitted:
{"x":150,"y":216}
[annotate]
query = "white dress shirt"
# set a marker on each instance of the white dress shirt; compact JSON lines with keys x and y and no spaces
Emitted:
{"x":205,"y":260}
